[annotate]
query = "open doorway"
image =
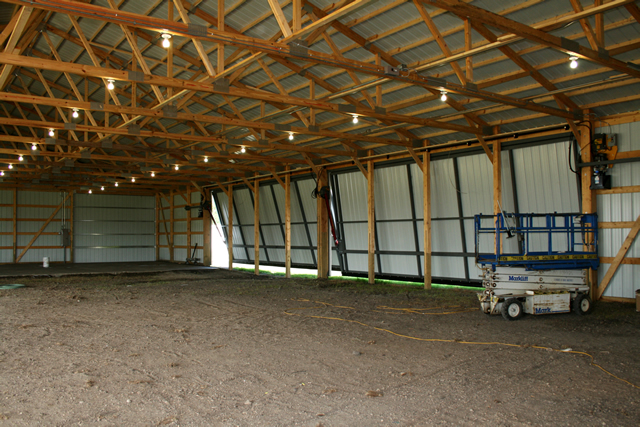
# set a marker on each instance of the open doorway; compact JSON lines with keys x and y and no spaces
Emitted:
{"x":219,"y":252}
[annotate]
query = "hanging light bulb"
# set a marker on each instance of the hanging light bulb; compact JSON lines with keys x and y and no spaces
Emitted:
{"x":153,"y":174}
{"x":102,"y":188}
{"x":243,"y":150}
{"x":133,"y":179}
{"x":177,"y":167}
{"x":574,"y":62}
{"x":21,"y":158}
{"x":10,"y":166}
{"x":166,"y":43}
{"x":52,"y":133}
{"x":1,"y":173}
{"x":34,"y":147}
{"x":116,"y":184}
{"x":443,"y":96}
{"x":89,"y":191}
{"x":75,"y":113}
{"x":290,"y":136}
{"x":206,"y":160}
{"x":110,"y":84}
{"x":355,"y":119}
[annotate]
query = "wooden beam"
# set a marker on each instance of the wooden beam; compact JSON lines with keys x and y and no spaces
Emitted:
{"x":196,"y":42}
{"x":256,"y":226}
{"x":297,"y":15}
{"x":426,"y":206}
{"x":230,"y":225}
{"x":55,"y":212}
{"x":619,"y":257}
{"x":221,"y":12}
{"x":617,"y":190}
{"x":280,"y":18}
{"x":287,"y":225}
{"x":468,"y":45}
{"x":371,"y":224}
{"x":20,"y":24}
{"x":467,"y":11}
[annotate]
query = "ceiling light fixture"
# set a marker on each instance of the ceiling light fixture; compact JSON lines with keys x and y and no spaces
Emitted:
{"x":10,"y":166}
{"x":355,"y":119}
{"x":75,"y":113}
{"x":110,"y":84}
{"x":177,"y":167}
{"x":153,"y":174}
{"x":34,"y":147}
{"x":574,"y":62}
{"x":133,"y":179}
{"x":116,"y":184}
{"x":166,"y":43}
{"x":52,"y":133}
{"x":1,"y":173}
{"x":290,"y":136}
{"x":89,"y":191}
{"x":21,"y":158}
{"x":243,"y":150}
{"x":206,"y":159}
{"x":443,"y":96}
{"x":102,"y":188}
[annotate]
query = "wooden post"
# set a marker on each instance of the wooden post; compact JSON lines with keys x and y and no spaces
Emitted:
{"x":71,"y":252}
{"x":172,"y":225}
{"x":189,"y":222}
{"x":158,"y":206}
{"x":287,"y":224}
{"x":15,"y":224}
{"x":588,"y":200}
{"x":230,"y":227}
{"x":256,"y":226}
{"x":206,"y":231}
{"x":426,"y":202}
{"x":497,"y":190}
{"x":323,"y":231}
{"x":371,"y":224}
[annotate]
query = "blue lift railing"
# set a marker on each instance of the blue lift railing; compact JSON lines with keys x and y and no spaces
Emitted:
{"x":544,"y":241}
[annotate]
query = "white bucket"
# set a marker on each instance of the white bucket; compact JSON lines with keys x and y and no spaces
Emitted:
{"x":45,"y":262}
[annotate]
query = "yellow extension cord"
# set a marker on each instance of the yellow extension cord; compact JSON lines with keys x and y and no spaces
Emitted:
{"x":424,"y":312}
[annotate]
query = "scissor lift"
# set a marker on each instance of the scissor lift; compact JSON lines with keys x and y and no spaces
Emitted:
{"x":539,"y":262}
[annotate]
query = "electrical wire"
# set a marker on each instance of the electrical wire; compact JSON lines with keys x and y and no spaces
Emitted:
{"x":419,"y":311}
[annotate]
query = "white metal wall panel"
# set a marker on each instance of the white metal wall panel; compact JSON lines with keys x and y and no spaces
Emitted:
{"x":353,"y":200}
{"x":114,"y":228}
{"x":44,"y":204}
{"x":163,"y":239}
{"x":544,"y":181}
{"x":179,"y":228}
{"x":621,"y":208}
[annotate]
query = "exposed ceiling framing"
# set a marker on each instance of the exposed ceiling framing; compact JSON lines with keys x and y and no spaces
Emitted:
{"x":270,"y":84}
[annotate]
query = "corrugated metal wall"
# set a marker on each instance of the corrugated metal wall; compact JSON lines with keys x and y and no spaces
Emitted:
{"x":621,"y":208}
{"x":114,"y":228}
{"x":536,"y":178}
{"x":272,"y":223}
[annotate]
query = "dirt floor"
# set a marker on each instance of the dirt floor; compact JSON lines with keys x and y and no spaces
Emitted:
{"x":223,"y":348}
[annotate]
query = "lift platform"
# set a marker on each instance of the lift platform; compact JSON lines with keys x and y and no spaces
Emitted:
{"x":539,"y":262}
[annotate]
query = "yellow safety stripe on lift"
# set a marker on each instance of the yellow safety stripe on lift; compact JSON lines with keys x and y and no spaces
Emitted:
{"x":547,"y":257}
